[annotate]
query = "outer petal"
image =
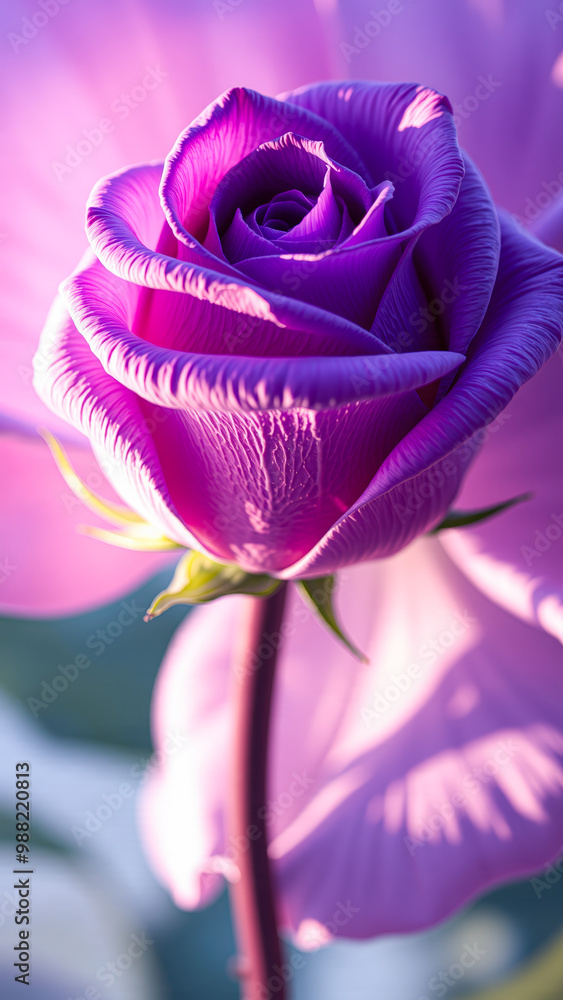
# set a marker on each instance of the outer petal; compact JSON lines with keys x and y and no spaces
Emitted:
{"x":65,"y":78}
{"x":103,"y":308}
{"x":399,"y":790}
{"x":500,"y":65}
{"x":291,"y":473}
{"x":47,"y":567}
{"x":517,"y":559}
{"x":521,"y":329}
{"x":120,"y":429}
{"x":456,"y":262}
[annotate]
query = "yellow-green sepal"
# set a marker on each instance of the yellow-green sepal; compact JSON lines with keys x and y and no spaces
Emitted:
{"x":135,"y":533}
{"x":198,"y":580}
{"x":317,"y":593}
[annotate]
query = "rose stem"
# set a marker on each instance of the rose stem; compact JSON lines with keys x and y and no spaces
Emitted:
{"x":252,"y":896}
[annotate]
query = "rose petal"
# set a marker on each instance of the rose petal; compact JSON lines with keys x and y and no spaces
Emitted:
{"x":318,"y":462}
{"x":102,"y":308}
{"x":497,"y":62}
{"x":210,"y":302}
{"x":516,"y":558}
{"x":291,"y":474}
{"x":233,"y":126}
{"x":119,"y":425}
{"x":430,"y":775}
{"x":521,"y":329}
{"x":404,"y":133}
{"x":458,"y":283}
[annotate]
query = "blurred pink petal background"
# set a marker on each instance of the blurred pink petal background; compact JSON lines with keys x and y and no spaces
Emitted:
{"x":406,"y":786}
{"x":111,"y":84}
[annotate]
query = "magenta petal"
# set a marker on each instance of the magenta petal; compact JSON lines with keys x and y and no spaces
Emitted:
{"x":291,"y":474}
{"x":47,"y":567}
{"x":403,"y":788}
{"x":264,"y":516}
{"x":116,"y":422}
{"x":103,"y":308}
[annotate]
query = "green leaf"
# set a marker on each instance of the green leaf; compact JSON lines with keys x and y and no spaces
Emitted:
{"x":458,"y":518}
{"x":317,"y":593}
{"x":198,"y":580}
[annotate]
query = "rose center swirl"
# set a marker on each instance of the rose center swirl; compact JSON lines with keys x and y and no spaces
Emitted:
{"x":289,"y":197}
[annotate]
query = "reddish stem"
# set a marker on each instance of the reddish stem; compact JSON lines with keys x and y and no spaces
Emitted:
{"x":252,"y":896}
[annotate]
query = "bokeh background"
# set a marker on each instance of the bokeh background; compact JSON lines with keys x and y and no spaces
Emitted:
{"x":146,"y":68}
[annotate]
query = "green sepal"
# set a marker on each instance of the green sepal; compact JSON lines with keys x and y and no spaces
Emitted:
{"x":459,"y":518}
{"x":317,"y":593}
{"x":198,"y":580}
{"x":135,"y":533}
{"x":139,"y":540}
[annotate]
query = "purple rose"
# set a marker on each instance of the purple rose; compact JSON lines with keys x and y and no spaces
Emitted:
{"x":298,"y":327}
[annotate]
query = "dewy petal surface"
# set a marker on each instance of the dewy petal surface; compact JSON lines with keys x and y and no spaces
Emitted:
{"x":431,"y":774}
